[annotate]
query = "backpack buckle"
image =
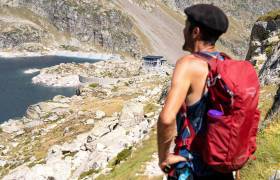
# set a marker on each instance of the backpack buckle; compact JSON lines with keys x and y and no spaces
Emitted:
{"x":209,"y":83}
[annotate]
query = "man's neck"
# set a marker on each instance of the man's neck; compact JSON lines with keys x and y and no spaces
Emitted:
{"x":201,"y":46}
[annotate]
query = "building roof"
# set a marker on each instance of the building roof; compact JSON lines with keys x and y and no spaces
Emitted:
{"x":152,"y":57}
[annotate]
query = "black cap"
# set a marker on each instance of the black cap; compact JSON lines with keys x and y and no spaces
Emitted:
{"x":209,"y":16}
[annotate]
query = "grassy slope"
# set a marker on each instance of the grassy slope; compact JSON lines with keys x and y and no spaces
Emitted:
{"x":268,"y":154}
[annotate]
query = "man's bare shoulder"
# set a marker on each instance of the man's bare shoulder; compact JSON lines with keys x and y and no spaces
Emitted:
{"x":191,"y":62}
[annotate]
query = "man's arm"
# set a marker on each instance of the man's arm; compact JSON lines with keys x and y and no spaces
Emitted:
{"x":167,"y":120}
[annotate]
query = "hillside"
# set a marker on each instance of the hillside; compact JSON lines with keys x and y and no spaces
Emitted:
{"x":132,"y":28}
{"x":242,"y":15}
{"x":66,"y":24}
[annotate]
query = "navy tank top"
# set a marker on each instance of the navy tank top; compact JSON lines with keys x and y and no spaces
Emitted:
{"x":196,"y":114}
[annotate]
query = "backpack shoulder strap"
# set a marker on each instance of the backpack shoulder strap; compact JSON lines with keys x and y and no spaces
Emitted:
{"x":211,"y":60}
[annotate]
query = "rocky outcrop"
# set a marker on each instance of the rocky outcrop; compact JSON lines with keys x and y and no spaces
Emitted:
{"x":275,"y":109}
{"x":264,"y":49}
{"x":17,"y":34}
{"x":86,"y":22}
{"x":270,"y":71}
{"x":263,"y":42}
{"x":73,"y":74}
{"x":275,"y":176}
{"x":264,"y":53}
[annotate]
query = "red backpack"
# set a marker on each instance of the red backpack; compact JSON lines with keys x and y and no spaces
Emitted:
{"x":230,"y":140}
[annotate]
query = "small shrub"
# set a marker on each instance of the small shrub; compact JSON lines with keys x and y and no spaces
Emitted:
{"x":88,"y":173}
{"x":32,"y":164}
{"x":268,"y":50}
{"x":123,"y":155}
{"x":69,"y":48}
{"x":93,"y":85}
{"x":115,"y":89}
{"x":272,"y":15}
{"x":70,"y":154}
{"x":1,"y":130}
{"x":150,"y":108}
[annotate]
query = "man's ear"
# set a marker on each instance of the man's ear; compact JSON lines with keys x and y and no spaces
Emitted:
{"x":196,"y":33}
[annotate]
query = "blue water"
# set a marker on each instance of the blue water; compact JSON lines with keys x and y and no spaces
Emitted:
{"x":16,"y":89}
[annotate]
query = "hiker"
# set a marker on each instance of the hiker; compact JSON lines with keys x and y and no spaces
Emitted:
{"x":188,"y":98}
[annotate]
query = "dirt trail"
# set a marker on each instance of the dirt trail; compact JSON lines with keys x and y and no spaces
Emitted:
{"x":162,"y":30}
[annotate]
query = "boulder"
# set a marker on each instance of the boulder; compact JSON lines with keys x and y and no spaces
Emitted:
{"x":53,"y":117}
{"x":2,"y":163}
{"x":21,"y":172}
{"x":12,"y":126}
{"x":270,"y":71}
{"x":55,"y":152}
{"x":99,"y":114}
{"x":2,"y":146}
{"x":90,"y":122}
{"x":101,"y":131}
{"x":275,"y":175}
{"x":132,"y":114}
{"x":33,"y":112}
{"x":34,"y":123}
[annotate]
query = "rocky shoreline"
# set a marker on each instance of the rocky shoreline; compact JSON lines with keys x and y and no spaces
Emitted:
{"x":105,"y":73}
{"x":82,"y":134}
{"x":61,"y":53}
{"x":77,"y":74}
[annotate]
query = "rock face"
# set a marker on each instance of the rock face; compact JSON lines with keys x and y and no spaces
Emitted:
{"x":264,"y":52}
{"x":16,"y":34}
{"x":87,"y":22}
{"x":270,"y":71}
{"x":275,"y":109}
{"x":275,"y":176}
{"x":263,"y":43}
{"x":132,"y":114}
{"x":264,"y":49}
{"x":89,"y":25}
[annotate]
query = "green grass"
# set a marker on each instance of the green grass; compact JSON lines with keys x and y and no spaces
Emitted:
{"x":150,"y":107}
{"x":268,"y":50}
{"x":1,"y":130}
{"x":32,"y":164}
{"x":93,"y":85}
{"x":88,"y":173}
{"x":122,"y":156}
{"x":70,"y":154}
{"x":268,"y":154}
{"x":115,"y":89}
{"x":134,"y":163}
{"x":268,"y":142}
{"x":272,"y":15}
{"x":266,"y":99}
{"x":69,"y":48}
